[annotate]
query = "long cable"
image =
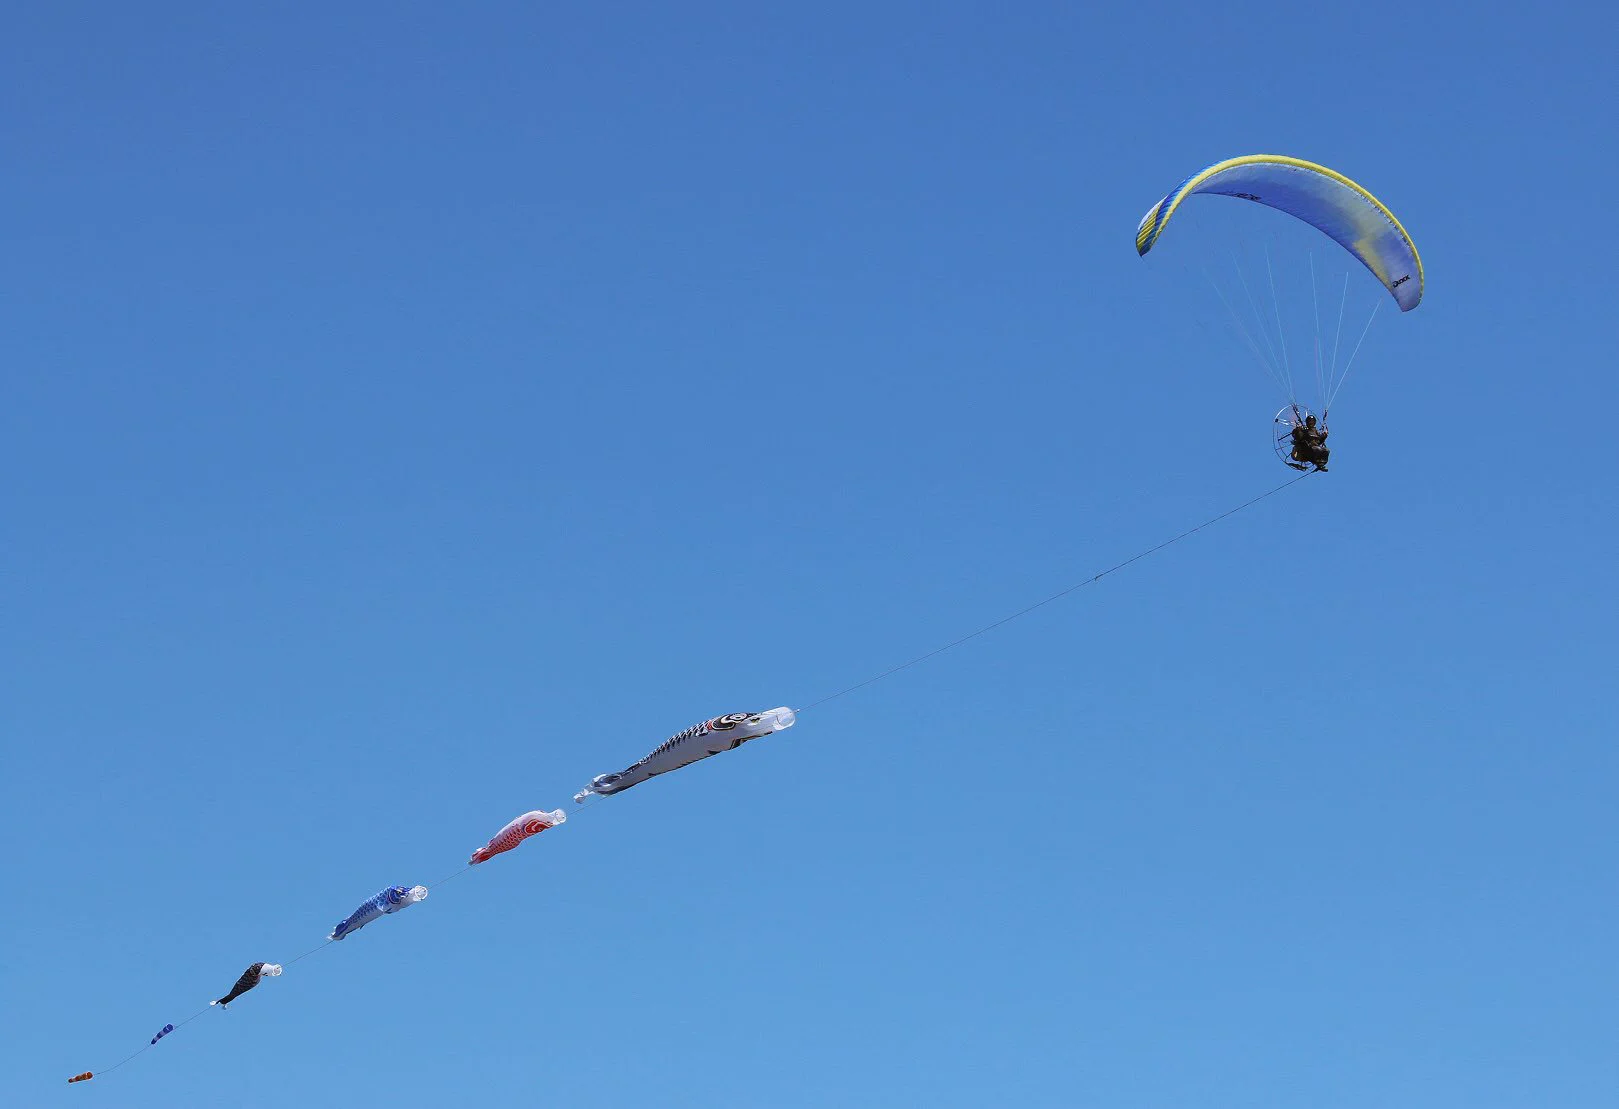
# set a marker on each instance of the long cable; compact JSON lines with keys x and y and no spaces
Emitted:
{"x":150,"y":1046}
{"x":322,"y":946}
{"x":1054,"y":597}
{"x":860,"y":685}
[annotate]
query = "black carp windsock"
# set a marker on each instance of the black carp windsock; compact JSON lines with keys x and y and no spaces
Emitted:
{"x":250,"y":978}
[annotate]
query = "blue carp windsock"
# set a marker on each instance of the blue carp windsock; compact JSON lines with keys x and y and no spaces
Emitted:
{"x":722,"y":733}
{"x":390,"y":900}
{"x":250,"y":978}
{"x":529,"y":824}
{"x":167,"y":1028}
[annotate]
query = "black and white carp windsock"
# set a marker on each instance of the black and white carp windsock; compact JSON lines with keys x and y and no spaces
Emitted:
{"x":250,"y":978}
{"x":722,"y":733}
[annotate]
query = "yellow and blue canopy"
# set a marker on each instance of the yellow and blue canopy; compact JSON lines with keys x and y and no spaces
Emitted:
{"x":1327,"y":200}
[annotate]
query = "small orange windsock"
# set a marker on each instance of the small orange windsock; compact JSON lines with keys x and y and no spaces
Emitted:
{"x":85,"y":1077}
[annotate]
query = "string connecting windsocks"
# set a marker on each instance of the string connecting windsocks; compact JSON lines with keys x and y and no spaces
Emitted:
{"x":711,"y":737}
{"x":1057,"y":596}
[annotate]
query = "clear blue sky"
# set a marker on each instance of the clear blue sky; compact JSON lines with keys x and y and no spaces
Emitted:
{"x":414,"y":410}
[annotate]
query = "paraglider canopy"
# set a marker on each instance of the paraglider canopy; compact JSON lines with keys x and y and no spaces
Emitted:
{"x":1327,"y":200}
{"x":1276,"y":277}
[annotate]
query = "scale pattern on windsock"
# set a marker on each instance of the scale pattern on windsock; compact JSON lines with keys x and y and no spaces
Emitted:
{"x":390,"y":900}
{"x":721,"y":733}
{"x":529,"y":824}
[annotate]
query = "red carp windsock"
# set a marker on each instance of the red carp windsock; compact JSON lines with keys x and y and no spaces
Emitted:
{"x":529,"y":824}
{"x":85,"y":1077}
{"x":722,"y":733}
